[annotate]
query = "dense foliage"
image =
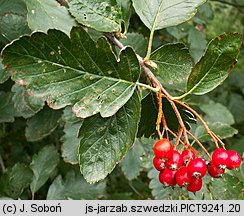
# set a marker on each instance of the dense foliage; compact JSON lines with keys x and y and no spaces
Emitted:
{"x":81,"y":89}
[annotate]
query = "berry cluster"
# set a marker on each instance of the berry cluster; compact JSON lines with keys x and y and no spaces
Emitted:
{"x":187,"y":170}
{"x":222,"y":159}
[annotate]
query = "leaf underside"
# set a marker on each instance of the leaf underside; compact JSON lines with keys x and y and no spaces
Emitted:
{"x":73,"y":71}
{"x":43,"y":165}
{"x":164,"y":13}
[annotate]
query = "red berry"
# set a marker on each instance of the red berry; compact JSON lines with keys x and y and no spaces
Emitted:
{"x":195,"y":185}
{"x":187,"y":155}
{"x":167,"y":177}
{"x":182,"y":177}
{"x":175,"y":161}
{"x":163,"y":149}
{"x":220,"y":157}
{"x":158,"y":164}
{"x":215,"y":171}
{"x":234,"y":160}
{"x":197,"y":168}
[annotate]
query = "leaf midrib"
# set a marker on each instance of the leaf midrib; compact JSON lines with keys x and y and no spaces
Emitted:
{"x":156,"y":16}
{"x":68,"y":67}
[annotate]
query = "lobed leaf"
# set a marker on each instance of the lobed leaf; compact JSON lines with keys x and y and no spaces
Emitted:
{"x":43,"y":165}
{"x":164,"y":13}
{"x":15,"y":180}
{"x":75,"y":187}
{"x":131,"y":164}
{"x":13,"y":20}
{"x":105,"y":141}
{"x":227,"y":188}
{"x":48,"y":14}
{"x":70,"y":140}
{"x":25,"y":104}
{"x":214,"y":67}
{"x":102,"y":15}
{"x":73,"y":71}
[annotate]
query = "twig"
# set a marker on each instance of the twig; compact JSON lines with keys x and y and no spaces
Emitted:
{"x":2,"y":164}
{"x":199,"y":143}
{"x":211,"y":134}
{"x":178,"y":138}
{"x":173,"y":102}
{"x":165,"y":126}
{"x":63,"y":2}
{"x":160,"y":114}
{"x":134,"y":189}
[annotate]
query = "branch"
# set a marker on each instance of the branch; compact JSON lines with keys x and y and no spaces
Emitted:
{"x":63,"y":2}
{"x":211,"y":134}
{"x":2,"y":164}
{"x":173,"y":102}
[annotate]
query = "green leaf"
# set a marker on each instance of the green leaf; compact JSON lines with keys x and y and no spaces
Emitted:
{"x":43,"y":164}
{"x":221,"y":130}
{"x":42,"y":124}
{"x":242,"y":171}
{"x":214,"y":67}
{"x":147,"y":125}
{"x":236,"y":106}
{"x":24,"y":103}
{"x":102,"y":15}
{"x":227,"y":188}
{"x":216,"y":112}
{"x":160,"y":14}
{"x":48,"y":14}
{"x":197,"y":42}
{"x":237,"y":145}
{"x":15,"y":180}
{"x":126,"y":11}
{"x":75,"y":187}
{"x":74,"y":71}
{"x":179,"y":31}
{"x":70,"y":139}
{"x":105,"y":141}
{"x":137,"y":41}
{"x":13,"y":20}
{"x":131,"y":164}
{"x":6,"y":107}
{"x":174,"y":65}
{"x":3,"y":74}
{"x":148,"y":155}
